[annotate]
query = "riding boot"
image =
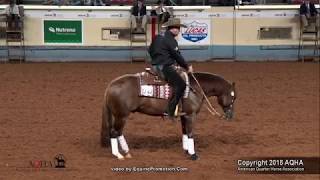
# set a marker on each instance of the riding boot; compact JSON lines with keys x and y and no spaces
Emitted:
{"x":172,"y":110}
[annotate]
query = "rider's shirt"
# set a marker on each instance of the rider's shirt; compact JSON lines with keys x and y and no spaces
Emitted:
{"x":164,"y":51}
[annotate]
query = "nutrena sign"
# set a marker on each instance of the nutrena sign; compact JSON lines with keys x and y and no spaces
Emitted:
{"x":62,"y":31}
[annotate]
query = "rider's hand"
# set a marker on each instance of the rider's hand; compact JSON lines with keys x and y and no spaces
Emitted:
{"x":190,"y":70}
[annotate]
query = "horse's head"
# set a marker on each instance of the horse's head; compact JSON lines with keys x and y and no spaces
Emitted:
{"x":226,"y":101}
{"x":215,"y":85}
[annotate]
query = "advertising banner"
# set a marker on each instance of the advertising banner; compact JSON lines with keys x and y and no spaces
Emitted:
{"x":62,"y":31}
{"x":196,"y":33}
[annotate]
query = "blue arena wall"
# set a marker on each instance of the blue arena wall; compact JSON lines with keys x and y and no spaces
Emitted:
{"x":245,"y":53}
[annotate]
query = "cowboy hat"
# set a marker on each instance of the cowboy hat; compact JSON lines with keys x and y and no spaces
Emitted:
{"x":173,"y":22}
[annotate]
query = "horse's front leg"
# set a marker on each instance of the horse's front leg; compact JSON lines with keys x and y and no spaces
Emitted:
{"x":187,"y":137}
{"x":184,"y":134}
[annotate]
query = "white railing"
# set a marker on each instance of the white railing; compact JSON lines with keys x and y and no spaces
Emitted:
{"x":120,"y":8}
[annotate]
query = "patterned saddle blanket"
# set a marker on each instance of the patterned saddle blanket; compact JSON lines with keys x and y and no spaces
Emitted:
{"x":151,"y":85}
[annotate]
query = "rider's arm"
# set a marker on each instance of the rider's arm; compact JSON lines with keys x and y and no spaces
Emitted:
{"x":175,"y":53}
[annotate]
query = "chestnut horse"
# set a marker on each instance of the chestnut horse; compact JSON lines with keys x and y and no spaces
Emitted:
{"x":122,"y":98}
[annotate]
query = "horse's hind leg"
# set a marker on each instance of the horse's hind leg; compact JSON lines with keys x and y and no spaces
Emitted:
{"x":117,"y":138}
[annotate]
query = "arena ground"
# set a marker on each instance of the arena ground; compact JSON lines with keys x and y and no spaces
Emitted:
{"x":52,"y":108}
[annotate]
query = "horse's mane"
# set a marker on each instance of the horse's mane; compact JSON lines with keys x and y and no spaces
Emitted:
{"x":207,"y":75}
{"x":210,"y":80}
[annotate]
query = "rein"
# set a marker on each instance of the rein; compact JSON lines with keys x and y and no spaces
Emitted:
{"x":210,"y":108}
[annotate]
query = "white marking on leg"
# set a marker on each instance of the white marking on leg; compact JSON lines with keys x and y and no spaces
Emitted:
{"x":115,"y":148}
{"x":123,"y":144}
{"x":191,"y":146}
{"x":185,"y":142}
{"x":232,"y":93}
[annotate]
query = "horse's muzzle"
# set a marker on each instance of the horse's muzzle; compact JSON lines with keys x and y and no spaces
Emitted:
{"x":228,"y":113}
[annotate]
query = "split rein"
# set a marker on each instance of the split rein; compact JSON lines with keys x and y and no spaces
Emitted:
{"x":210,"y":108}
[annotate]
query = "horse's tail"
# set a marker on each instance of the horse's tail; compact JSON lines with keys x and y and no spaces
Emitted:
{"x":105,"y":125}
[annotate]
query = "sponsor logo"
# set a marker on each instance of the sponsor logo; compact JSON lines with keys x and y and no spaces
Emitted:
{"x":84,"y":15}
{"x":181,"y":15}
{"x":214,"y":15}
{"x":57,"y":162}
{"x":195,"y":31}
{"x":51,"y":29}
{"x":61,"y":30}
{"x":116,"y":15}
{"x":50,"y":15}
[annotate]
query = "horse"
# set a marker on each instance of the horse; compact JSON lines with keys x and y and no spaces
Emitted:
{"x":122,"y":98}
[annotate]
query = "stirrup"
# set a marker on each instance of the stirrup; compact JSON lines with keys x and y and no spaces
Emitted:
{"x":180,"y":114}
{"x":176,"y":113}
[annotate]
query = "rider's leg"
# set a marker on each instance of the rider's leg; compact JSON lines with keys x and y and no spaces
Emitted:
{"x":178,"y":84}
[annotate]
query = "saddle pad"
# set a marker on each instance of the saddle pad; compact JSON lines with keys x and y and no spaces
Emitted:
{"x":156,"y":91}
{"x":148,"y":87}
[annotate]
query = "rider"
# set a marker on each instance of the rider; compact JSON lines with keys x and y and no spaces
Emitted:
{"x":165,"y":53}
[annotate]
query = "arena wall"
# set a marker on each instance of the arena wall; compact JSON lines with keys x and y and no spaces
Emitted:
{"x":233,"y":33}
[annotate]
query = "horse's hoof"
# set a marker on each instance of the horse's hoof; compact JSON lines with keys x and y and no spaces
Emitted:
{"x":128,"y":155}
{"x":120,"y":157}
{"x":194,"y":157}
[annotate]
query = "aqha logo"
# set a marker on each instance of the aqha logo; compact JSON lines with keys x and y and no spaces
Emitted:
{"x":195,"y":31}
